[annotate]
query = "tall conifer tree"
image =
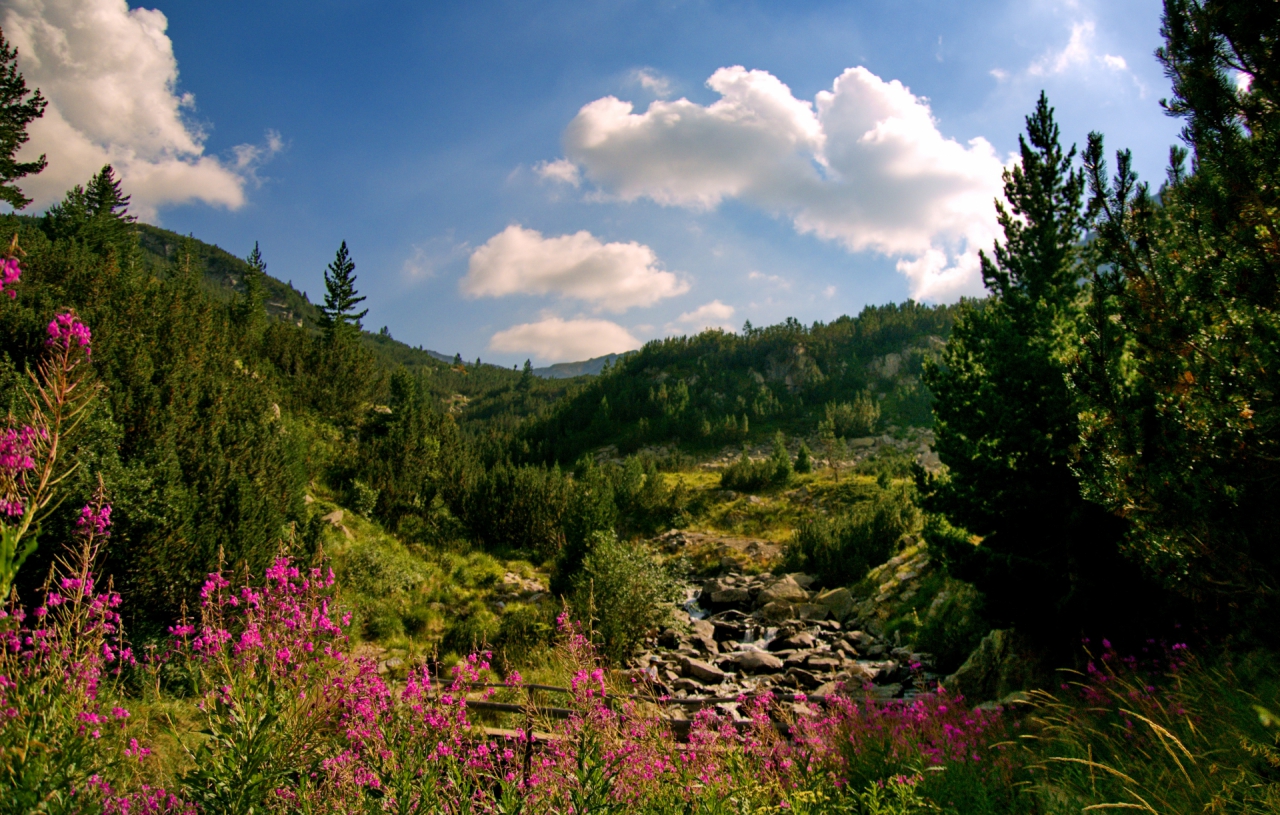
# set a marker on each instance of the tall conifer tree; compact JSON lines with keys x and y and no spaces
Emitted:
{"x":1006,"y":418}
{"x":18,"y":109}
{"x":338,"y":314}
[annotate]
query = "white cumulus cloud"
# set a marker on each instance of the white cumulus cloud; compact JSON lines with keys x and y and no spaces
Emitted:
{"x":110,"y":76}
{"x":612,"y":276}
{"x":864,"y":165}
{"x":710,"y":315}
{"x":558,"y":340}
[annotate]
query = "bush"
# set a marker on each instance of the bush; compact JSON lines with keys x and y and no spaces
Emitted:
{"x":478,"y":571}
{"x":477,"y":628}
{"x":850,"y":420}
{"x":780,"y":461}
{"x":841,"y":550}
{"x":745,"y":475}
{"x":363,"y":498}
{"x":623,"y":592}
{"x":804,"y":459}
{"x":381,"y":620}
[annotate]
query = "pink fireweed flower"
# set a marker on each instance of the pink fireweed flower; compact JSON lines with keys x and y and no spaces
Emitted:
{"x":17,"y":458}
{"x":94,"y":521}
{"x":66,"y":330}
{"x":10,"y":274}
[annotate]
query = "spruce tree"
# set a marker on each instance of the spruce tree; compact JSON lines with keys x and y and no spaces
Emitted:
{"x":338,"y":314}
{"x":250,"y":313}
{"x":18,"y":109}
{"x":1006,"y":420}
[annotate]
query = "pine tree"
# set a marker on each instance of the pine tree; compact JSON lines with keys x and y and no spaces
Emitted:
{"x":250,"y":311}
{"x":105,"y":198}
{"x":338,"y":314}
{"x":1006,"y":420}
{"x":526,"y":376}
{"x":17,"y":111}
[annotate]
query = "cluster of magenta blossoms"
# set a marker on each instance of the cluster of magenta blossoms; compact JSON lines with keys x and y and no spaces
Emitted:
{"x":17,"y":460}
{"x":64,"y":724}
{"x":10,"y":274}
{"x":67,"y":332}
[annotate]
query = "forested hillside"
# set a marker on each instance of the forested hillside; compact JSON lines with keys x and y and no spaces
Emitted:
{"x":717,"y":388}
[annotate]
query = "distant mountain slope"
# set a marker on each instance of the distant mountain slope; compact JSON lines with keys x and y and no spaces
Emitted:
{"x":717,"y":388}
{"x":483,"y":393}
{"x":589,"y":367}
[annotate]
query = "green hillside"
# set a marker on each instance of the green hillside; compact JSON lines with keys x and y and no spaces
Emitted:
{"x":716,"y":388}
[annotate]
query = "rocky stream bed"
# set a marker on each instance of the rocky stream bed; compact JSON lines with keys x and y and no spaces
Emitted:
{"x":751,"y":633}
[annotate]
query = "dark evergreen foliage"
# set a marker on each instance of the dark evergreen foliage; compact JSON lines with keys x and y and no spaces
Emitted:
{"x":18,"y":109}
{"x":339,"y":315}
{"x":1006,"y":420}
{"x":1180,"y":373}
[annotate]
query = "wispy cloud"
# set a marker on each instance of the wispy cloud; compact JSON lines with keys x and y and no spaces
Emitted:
{"x":707,"y":316}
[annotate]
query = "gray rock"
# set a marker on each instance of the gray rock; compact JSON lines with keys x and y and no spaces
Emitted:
{"x":703,"y":628}
{"x":803,"y":678}
{"x":701,"y":671}
{"x":839,"y":602}
{"x":822,"y":663}
{"x":757,"y":661}
{"x":1001,"y":664}
{"x":802,"y":580}
{"x":724,"y":631}
{"x":796,"y":642}
{"x":776,"y":610}
{"x":729,"y":597}
{"x":786,"y":590}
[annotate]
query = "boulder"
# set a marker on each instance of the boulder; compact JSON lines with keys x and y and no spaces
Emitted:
{"x":702,"y":628}
{"x":822,"y":663}
{"x":701,"y":671}
{"x":1001,"y":664}
{"x":838,"y":602}
{"x":723,"y":631}
{"x":795,"y":642}
{"x":786,"y":590}
{"x":804,"y":679}
{"x":802,"y":580}
{"x":809,"y":611}
{"x":757,"y":662}
{"x":777,"y":610}
{"x":729,"y":598}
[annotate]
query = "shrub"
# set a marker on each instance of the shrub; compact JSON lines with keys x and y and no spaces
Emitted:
{"x":804,"y":459}
{"x":363,"y":498}
{"x":476,"y":629}
{"x":852,"y":419}
{"x":63,"y":737}
{"x":623,"y":592}
{"x":745,"y":475}
{"x":840,"y":551}
{"x":479,"y":570}
{"x":381,"y":620}
{"x":780,"y":461}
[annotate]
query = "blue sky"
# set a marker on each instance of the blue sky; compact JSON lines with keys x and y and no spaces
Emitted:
{"x":502,"y":200}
